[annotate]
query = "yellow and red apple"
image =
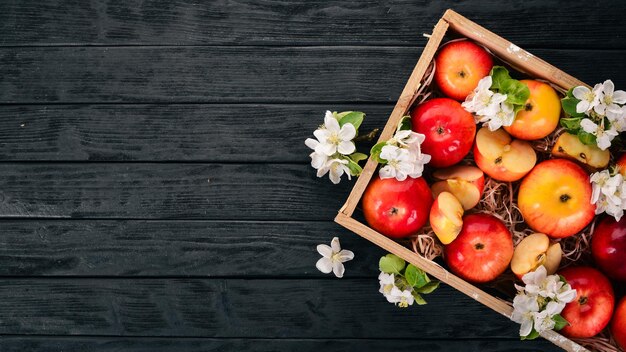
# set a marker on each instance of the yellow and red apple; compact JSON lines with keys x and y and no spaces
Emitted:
{"x":502,"y":157}
{"x":592,"y":309}
{"x":397,"y":208}
{"x":533,"y":251}
{"x":465,"y":182}
{"x":482,"y":250}
{"x":449,"y":130}
{"x":446,"y":217}
{"x":569,"y":146}
{"x":460,"y":65}
{"x":555,"y":198}
{"x":621,"y":165}
{"x":540,"y":114}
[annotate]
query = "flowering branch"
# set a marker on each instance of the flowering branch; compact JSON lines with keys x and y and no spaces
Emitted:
{"x":403,"y":284}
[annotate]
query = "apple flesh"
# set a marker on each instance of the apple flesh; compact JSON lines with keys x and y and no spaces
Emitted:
{"x":395,"y":208}
{"x":569,"y":146}
{"x":482,"y":250}
{"x":555,"y":198}
{"x":608,"y":247}
{"x":618,"y":324}
{"x":448,"y":128}
{"x":460,"y":65}
{"x":501,"y":157}
{"x":446,"y":217}
{"x":540,"y":115}
{"x":466,"y":183}
{"x":533,"y":251}
{"x":592,"y":309}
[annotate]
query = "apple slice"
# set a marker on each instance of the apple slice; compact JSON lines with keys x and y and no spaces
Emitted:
{"x":533,"y":251}
{"x":501,"y":157}
{"x":569,"y":146}
{"x":446,"y":217}
{"x":466,"y":183}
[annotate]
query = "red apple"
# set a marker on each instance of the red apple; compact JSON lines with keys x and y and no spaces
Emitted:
{"x":448,"y":128}
{"x":621,"y":165}
{"x":483,"y":249}
{"x":555,"y":198}
{"x":618,"y":325}
{"x":459,"y":67}
{"x":608,"y":246}
{"x":397,"y":208}
{"x":592,"y":309}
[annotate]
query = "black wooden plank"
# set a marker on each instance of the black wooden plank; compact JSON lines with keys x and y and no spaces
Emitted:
{"x":238,"y":74}
{"x":176,"y":248}
{"x":294,"y":308}
{"x":545,"y":23}
{"x":416,"y":343}
{"x":160,"y":191}
{"x":194,"y":132}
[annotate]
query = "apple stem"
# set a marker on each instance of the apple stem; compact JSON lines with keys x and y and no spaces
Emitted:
{"x":367,"y":137}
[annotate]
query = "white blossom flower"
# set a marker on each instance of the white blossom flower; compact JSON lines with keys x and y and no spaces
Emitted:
{"x":608,"y":193}
{"x":609,"y":98}
{"x":337,"y":167}
{"x":603,"y":137}
{"x":406,"y":138}
{"x":333,"y":258}
{"x":589,"y":98}
{"x":536,"y":283}
{"x":333,"y":139}
{"x":387,"y":282}
{"x":617,"y":117}
{"x":524,"y":309}
{"x":543,"y":321}
{"x":419,"y":159}
{"x":503,"y":117}
{"x":483,"y":101}
{"x":599,"y":186}
{"x":564,"y":294}
{"x":399,"y":163}
{"x":402,"y":299}
{"x":319,"y":162}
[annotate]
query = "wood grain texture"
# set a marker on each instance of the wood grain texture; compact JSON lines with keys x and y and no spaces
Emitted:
{"x":121,"y":344}
{"x":194,"y":132}
{"x":346,"y":308}
{"x":238,"y":74}
{"x":176,"y":248}
{"x":304,"y":22}
{"x":166,"y":191}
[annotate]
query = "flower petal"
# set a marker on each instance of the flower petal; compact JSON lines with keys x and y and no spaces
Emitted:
{"x":619,"y":97}
{"x":345,"y":255}
{"x":582,"y":106}
{"x":346,"y":148}
{"x":338,"y":269}
{"x":335,"y":245}
{"x":347,"y":132}
{"x":331,"y":123}
{"x":325,"y":250}
{"x":387,"y":172}
{"x":588,"y":126}
{"x":580,"y":93}
{"x":526,"y":328}
{"x":311,"y":143}
{"x":608,"y":87}
{"x":326,"y":148}
{"x":324,"y":265}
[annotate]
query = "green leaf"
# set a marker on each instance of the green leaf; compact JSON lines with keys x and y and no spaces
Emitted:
{"x":569,"y":106}
{"x":571,"y":124}
{"x":570,"y":93}
{"x":391,"y":264}
{"x":415,"y":276}
{"x":587,"y":138}
{"x":375,"y":152}
{"x":499,"y":75}
{"x":533,"y":335}
{"x":356,"y":157}
{"x":559,"y":322}
{"x":418,"y":298}
{"x":355,"y":169}
{"x":428,"y":288}
{"x":353,"y":117}
{"x":517,"y":93}
{"x":405,"y":123}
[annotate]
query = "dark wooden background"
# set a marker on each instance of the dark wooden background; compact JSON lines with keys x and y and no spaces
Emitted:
{"x":155,"y":192}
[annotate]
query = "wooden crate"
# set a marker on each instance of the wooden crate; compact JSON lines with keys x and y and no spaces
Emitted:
{"x":452,"y":23}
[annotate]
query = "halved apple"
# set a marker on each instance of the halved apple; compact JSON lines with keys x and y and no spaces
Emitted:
{"x":446,"y":217}
{"x":466,"y":183}
{"x":569,"y":146}
{"x":502,"y":157}
{"x":533,"y":251}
